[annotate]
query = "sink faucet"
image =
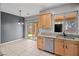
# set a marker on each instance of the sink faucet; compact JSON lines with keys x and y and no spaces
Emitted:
{"x":64,"y":34}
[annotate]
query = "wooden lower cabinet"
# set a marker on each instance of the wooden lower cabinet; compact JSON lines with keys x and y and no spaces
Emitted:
{"x":40,"y":43}
{"x":66,"y":47}
{"x":71,"y":49}
{"x":59,"y":48}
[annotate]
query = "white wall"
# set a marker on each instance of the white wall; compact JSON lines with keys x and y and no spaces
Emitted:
{"x":57,"y":10}
{"x":63,"y":9}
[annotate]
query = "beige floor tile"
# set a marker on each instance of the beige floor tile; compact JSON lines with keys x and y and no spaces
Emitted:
{"x":24,"y":47}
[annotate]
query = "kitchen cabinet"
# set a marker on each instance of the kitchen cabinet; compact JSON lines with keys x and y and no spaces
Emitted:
{"x":48,"y":22}
{"x":35,"y":28}
{"x":42,"y":20}
{"x":59,"y":18}
{"x":40,"y":43}
{"x":59,"y":46}
{"x":45,"y":43}
{"x":71,"y":49}
{"x":66,"y":47}
{"x":45,"y":20}
{"x":71,"y":23}
{"x":71,"y":16}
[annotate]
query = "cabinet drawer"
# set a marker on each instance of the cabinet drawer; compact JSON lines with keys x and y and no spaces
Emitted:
{"x":60,"y":40}
{"x":72,"y":42}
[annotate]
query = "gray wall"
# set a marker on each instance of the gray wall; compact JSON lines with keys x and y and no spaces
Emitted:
{"x":0,"y":27}
{"x":0,"y":23}
{"x":10,"y":29}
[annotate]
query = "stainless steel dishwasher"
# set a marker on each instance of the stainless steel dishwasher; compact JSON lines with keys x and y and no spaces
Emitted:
{"x":49,"y":44}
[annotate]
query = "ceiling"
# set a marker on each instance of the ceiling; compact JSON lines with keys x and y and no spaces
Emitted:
{"x":28,"y":9}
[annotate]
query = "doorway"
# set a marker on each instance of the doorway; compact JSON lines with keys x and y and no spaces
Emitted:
{"x":32,"y":29}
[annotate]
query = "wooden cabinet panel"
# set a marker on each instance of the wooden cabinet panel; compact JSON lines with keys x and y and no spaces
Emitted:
{"x":35,"y":29}
{"x":59,"y":18}
{"x":71,"y":49}
{"x":59,"y":46}
{"x":40,"y":42}
{"x":66,"y":47}
{"x":71,"y":16}
{"x":48,"y":21}
{"x":42,"y":20}
{"x":45,"y":20}
{"x":40,"y":24}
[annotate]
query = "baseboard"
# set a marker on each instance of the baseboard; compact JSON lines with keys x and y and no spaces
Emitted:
{"x":11,"y":41}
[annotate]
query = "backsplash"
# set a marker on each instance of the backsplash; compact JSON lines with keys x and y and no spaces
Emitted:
{"x":46,"y":31}
{"x":70,"y":35}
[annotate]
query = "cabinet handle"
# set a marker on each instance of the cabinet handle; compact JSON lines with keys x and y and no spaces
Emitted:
{"x":66,"y":46}
{"x":63,"y":46}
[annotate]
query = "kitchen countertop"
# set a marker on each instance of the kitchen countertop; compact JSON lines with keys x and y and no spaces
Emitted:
{"x":69,"y":38}
{"x":61,"y":37}
{"x":51,"y":36}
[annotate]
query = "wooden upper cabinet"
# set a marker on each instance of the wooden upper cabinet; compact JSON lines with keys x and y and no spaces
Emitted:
{"x":71,"y":16}
{"x":48,"y":21}
{"x":45,"y":20}
{"x":59,"y":18}
{"x":42,"y":21}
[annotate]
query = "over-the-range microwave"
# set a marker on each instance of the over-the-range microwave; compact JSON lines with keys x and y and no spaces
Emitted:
{"x":58,"y":28}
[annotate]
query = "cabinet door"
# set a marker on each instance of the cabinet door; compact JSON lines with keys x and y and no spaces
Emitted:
{"x":45,"y":20}
{"x":33,"y":28}
{"x":36,"y":29}
{"x":40,"y":42}
{"x":71,"y":49}
{"x":59,"y":46}
{"x":48,"y":22}
{"x":42,"y":20}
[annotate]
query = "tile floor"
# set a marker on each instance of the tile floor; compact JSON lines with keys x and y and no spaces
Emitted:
{"x":23,"y":47}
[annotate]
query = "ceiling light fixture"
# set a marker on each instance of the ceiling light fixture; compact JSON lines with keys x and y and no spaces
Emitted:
{"x":21,"y":21}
